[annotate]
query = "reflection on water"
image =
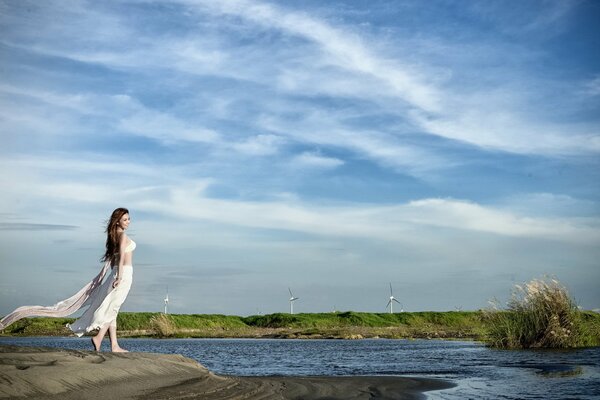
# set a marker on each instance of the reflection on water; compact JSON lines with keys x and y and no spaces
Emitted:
{"x":560,"y":371}
{"x":478,"y":372}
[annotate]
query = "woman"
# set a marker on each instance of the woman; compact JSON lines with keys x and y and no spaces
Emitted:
{"x":104,"y":299}
{"x":105,"y":304}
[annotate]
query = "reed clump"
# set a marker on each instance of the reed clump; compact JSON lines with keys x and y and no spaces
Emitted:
{"x":162,"y":325}
{"x":540,"y":314}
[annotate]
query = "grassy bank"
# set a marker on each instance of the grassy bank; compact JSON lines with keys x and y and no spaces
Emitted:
{"x":342,"y":325}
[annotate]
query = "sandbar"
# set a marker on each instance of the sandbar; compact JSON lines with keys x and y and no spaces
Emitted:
{"x":52,"y":373}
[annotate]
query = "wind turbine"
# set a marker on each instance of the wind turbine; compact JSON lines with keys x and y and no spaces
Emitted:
{"x":292,"y":300}
{"x":167,"y":300}
{"x":390,"y":303}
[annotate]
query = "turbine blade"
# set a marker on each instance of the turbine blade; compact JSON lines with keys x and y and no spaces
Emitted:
{"x":290,"y":290}
{"x":388,"y":304}
{"x":397,"y":301}
{"x":391,"y":293}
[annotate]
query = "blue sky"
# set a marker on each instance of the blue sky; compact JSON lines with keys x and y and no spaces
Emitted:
{"x":450,"y":148}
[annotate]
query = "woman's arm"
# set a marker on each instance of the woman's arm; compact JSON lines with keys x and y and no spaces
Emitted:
{"x":122,"y":247}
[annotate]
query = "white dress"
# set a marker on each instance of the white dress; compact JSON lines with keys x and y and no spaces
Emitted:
{"x":105,"y":303}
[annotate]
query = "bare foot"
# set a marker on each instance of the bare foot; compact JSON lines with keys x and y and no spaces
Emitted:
{"x":119,"y":350}
{"x":96,"y":345}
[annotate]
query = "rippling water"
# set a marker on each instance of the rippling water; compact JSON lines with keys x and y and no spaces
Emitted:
{"x":478,"y":372}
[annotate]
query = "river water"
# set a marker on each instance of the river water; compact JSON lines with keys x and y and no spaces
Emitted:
{"x":477,"y":371}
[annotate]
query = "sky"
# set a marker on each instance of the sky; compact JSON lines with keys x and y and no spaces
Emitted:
{"x":449,"y":148}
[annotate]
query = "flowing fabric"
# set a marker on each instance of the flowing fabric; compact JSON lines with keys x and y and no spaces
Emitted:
{"x":104,"y":304}
{"x":62,"y":308}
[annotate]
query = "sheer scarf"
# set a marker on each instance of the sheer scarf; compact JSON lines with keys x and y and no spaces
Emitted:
{"x":62,"y":308}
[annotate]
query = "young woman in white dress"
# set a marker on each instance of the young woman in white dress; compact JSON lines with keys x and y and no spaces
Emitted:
{"x":103,"y":298}
{"x":105,"y":304}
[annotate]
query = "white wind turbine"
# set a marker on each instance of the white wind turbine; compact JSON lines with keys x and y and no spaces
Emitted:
{"x":390,"y":303}
{"x":292,"y":300}
{"x":167,"y":300}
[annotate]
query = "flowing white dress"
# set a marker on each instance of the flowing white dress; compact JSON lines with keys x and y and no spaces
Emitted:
{"x":103,"y":300}
{"x":105,"y":303}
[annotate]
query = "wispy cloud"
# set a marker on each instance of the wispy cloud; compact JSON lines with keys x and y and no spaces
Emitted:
{"x":549,"y":204}
{"x":165,"y":128}
{"x":327,"y":58}
{"x":380,"y":147}
{"x":315,"y":159}
{"x":433,"y":105}
{"x":341,"y":48}
{"x":507,"y":131}
{"x":259,"y":145}
{"x":23,"y":226}
{"x":592,"y":87}
{"x":459,"y":214}
{"x":188,"y":199}
{"x":544,"y":17}
{"x":252,"y":132}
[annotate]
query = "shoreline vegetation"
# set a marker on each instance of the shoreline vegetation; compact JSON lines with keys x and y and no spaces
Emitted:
{"x":463,"y":325}
{"x":540,"y":314}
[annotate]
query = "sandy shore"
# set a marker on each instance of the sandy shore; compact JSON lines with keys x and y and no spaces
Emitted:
{"x":50,"y":373}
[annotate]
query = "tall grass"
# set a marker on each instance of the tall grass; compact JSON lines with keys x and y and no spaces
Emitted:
{"x":540,"y":314}
{"x":162,"y":325}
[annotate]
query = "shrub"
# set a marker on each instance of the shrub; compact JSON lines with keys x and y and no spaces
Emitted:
{"x":278,"y":320}
{"x":540,"y":314}
{"x":162,"y":325}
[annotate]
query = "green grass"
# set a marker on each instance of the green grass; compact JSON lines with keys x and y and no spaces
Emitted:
{"x":141,"y":321}
{"x":361,"y":319}
{"x":39,"y":327}
{"x":350,"y":324}
{"x":340,"y":324}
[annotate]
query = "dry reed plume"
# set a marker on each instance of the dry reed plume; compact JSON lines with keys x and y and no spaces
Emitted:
{"x":540,"y":314}
{"x":162,"y":325}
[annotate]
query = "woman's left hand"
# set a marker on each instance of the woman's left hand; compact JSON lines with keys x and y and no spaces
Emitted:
{"x":116,"y":282}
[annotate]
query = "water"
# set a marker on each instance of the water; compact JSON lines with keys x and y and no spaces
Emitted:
{"x":478,"y":372}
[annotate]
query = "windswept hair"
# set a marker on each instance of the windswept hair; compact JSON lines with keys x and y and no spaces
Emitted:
{"x":113,"y":237}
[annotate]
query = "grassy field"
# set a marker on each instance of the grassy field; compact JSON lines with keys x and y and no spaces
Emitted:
{"x":340,"y":325}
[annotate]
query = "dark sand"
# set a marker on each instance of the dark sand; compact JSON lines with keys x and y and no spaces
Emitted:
{"x":50,"y":373}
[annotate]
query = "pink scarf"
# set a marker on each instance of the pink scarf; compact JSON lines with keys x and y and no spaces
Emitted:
{"x":60,"y":309}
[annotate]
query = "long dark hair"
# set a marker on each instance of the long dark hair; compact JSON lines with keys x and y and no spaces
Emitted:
{"x":113,"y":237}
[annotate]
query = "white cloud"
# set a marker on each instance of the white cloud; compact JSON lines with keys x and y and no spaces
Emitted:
{"x":185,"y":198}
{"x":592,"y":87}
{"x":226,"y":83}
{"x":549,"y":205}
{"x":166,"y":128}
{"x":315,"y":159}
{"x":390,"y":223}
{"x":259,"y":145}
{"x":507,"y":131}
{"x":325,"y":59}
{"x":47,"y":111}
{"x":341,"y":47}
{"x":545,"y":17}
{"x":318,"y":127}
{"x":485,"y":121}
{"x":466,"y":215}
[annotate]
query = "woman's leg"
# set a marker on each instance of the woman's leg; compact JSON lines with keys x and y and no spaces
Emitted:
{"x":97,"y":340}
{"x":112,"y":332}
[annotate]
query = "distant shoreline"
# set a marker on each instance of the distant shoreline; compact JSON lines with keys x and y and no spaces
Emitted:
{"x":459,"y":325}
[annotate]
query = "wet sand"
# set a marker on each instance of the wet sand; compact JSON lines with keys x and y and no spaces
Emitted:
{"x":50,"y":373}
